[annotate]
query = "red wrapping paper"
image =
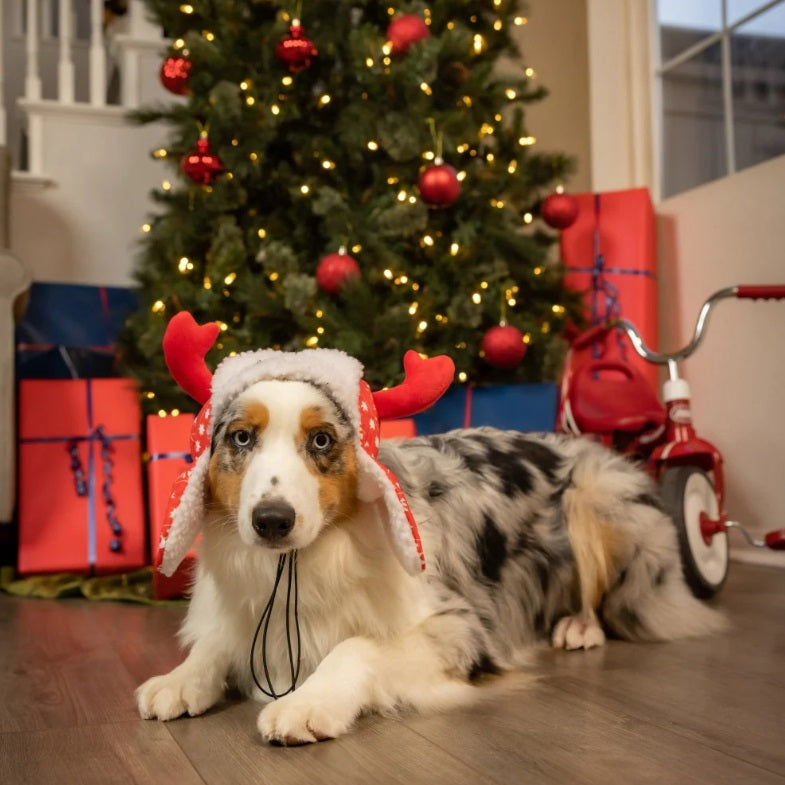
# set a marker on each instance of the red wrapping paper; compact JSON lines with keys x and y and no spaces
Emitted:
{"x":68,"y":493}
{"x":610,"y":254}
{"x":168,"y":440}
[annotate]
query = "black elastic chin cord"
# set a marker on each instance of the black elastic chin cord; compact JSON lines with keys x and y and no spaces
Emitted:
{"x":285,"y":559}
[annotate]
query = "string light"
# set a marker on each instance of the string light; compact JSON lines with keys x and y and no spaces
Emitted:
{"x":185,"y":265}
{"x":320,"y":330}
{"x":402,"y":196}
{"x":413,"y":308}
{"x":159,"y":306}
{"x":426,"y":88}
{"x":462,"y":377}
{"x":262,"y":233}
{"x":511,"y":94}
{"x":327,"y":164}
{"x":466,"y":101}
{"x":476,"y":298}
{"x":520,"y":20}
{"x":287,"y":81}
{"x":427,"y":240}
{"x":461,"y":176}
{"x":490,"y":158}
{"x":149,"y":395}
{"x":388,"y":274}
{"x":166,"y":185}
{"x":305,"y":189}
{"x":498,"y":24}
{"x":186,"y":8}
{"x":454,"y":249}
{"x":530,"y":72}
{"x":373,"y":145}
{"x":207,"y":283}
{"x":538,"y":270}
{"x":273,"y":276}
{"x":230,"y":279}
{"x":178,"y":44}
{"x":275,"y":109}
{"x":312,"y":341}
{"x":512,"y":167}
{"x":162,"y":412}
{"x":478,"y":44}
{"x":159,"y":153}
{"x":528,"y":218}
{"x":486,"y":129}
{"x":146,"y":228}
{"x":462,"y":148}
{"x":558,"y":309}
{"x":525,"y":141}
{"x":429,"y":155}
{"x":324,"y":100}
{"x":319,"y":313}
{"x":369,"y":62}
{"x":357,"y":248}
{"x":254,"y":157}
{"x":244,"y":84}
{"x":422,"y":326}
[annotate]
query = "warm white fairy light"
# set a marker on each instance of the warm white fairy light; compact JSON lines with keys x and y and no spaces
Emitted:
{"x":520,"y":20}
{"x":402,"y":196}
{"x":287,"y":81}
{"x":476,"y":298}
{"x":426,"y":88}
{"x":369,"y":62}
{"x":538,"y":270}
{"x":162,"y":412}
{"x":261,"y":233}
{"x":179,"y":43}
{"x":305,"y":189}
{"x":244,"y":85}
{"x":185,"y":265}
{"x":392,"y":181}
{"x":498,"y":117}
{"x":275,"y":109}
{"x":466,"y":101}
{"x":558,"y":309}
{"x":462,"y":377}
{"x":388,"y":274}
{"x":427,"y":240}
{"x":512,"y":166}
{"x":319,"y":313}
{"x":454,"y":249}
{"x":412,"y":199}
{"x":159,"y":153}
{"x":462,"y":148}
{"x":486,"y":129}
{"x":145,"y":228}
{"x":413,"y":308}
{"x":273,"y":276}
{"x":357,"y":248}
{"x":559,"y":189}
{"x":530,"y":72}
{"x":372,"y":145}
{"x":186,"y":8}
{"x":525,"y":141}
{"x":327,"y":164}
{"x":320,"y":330}
{"x":511,"y":94}
{"x":478,"y":44}
{"x":403,"y":279}
{"x":429,"y":155}
{"x":250,"y":100}
{"x":230,"y":279}
{"x":324,"y":100}
{"x":422,"y":326}
{"x":253,"y":157}
{"x":490,"y":158}
{"x":483,"y":284}
{"x":387,"y":49}
{"x":207,"y":283}
{"x":498,"y":24}
{"x":159,"y":306}
{"x":166,"y":185}
{"x":528,"y":218}
{"x":312,"y":341}
{"x":461,"y":176}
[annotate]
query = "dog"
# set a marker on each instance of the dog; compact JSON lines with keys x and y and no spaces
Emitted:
{"x":529,"y":539}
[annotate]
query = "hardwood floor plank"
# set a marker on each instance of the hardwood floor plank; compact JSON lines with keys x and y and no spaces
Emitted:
{"x":117,"y":754}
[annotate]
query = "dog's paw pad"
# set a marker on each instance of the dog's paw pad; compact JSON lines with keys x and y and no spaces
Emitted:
{"x":577,"y":632}
{"x":292,"y":722}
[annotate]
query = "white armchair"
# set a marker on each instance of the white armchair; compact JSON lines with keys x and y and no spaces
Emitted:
{"x":14,"y":281}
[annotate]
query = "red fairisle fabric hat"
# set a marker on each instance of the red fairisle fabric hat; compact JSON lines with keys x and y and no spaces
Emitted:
{"x":186,"y":343}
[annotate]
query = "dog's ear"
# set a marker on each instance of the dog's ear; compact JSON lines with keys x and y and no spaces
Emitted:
{"x":186,"y":509}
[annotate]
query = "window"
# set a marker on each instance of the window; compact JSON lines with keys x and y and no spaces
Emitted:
{"x":722,"y":87}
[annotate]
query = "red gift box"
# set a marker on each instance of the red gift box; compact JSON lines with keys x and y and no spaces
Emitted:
{"x":404,"y":428}
{"x":80,"y":476}
{"x":168,"y":440}
{"x":610,"y":253}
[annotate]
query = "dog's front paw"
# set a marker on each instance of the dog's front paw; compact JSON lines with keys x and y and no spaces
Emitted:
{"x":180,"y":692}
{"x":301,"y":719}
{"x":577,"y":632}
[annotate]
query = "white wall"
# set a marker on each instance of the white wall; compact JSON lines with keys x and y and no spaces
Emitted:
{"x":727,"y":232}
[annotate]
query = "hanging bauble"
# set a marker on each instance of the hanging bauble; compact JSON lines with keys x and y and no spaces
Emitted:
{"x":559,"y":210}
{"x":296,"y":49}
{"x":503,"y":346}
{"x":174,"y":74}
{"x":201,"y":164}
{"x":439,"y":184}
{"x":334,"y":270}
{"x":404,"y":30}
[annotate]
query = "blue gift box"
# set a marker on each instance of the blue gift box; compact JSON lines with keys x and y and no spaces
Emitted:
{"x":519,"y":407}
{"x":68,"y":330}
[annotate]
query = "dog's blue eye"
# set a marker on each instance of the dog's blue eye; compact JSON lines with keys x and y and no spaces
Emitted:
{"x":321,"y":441}
{"x":241,"y":438}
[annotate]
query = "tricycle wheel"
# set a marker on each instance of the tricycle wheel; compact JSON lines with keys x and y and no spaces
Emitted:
{"x":687,"y":492}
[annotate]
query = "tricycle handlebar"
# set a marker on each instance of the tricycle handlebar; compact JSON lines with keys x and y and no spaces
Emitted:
{"x":775,"y":292}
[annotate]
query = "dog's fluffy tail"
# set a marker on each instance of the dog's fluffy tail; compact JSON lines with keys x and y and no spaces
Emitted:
{"x":627,"y":556}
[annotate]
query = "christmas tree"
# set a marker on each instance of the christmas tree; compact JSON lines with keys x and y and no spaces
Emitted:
{"x":351,"y":175}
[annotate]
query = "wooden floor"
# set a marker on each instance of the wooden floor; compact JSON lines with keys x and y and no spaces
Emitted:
{"x":709,"y":711}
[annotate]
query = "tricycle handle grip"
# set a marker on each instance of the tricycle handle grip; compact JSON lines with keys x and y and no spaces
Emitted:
{"x":775,"y":292}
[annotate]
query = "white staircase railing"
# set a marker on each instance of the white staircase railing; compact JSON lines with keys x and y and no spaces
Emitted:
{"x":64,"y":53}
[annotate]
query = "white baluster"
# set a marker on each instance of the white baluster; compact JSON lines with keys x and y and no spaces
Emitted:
{"x":32,"y":77}
{"x":97,"y":54}
{"x":65,"y":65}
{"x":3,"y":129}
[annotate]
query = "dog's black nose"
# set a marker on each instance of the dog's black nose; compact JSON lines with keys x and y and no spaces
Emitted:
{"x":273,"y":520}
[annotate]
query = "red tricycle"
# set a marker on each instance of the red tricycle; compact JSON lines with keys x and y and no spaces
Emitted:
{"x":609,"y":400}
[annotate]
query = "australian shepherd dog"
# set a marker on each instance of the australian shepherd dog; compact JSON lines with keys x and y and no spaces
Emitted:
{"x":529,"y":538}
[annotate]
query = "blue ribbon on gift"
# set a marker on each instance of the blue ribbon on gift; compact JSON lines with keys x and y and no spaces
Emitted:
{"x":164,"y":456}
{"x":605,"y":305}
{"x":84,"y":482}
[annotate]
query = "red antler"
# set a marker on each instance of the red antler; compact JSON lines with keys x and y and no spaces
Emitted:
{"x":425,"y":381}
{"x":185,"y":345}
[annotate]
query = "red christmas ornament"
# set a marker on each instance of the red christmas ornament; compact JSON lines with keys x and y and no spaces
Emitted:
{"x":404,"y":30}
{"x":201,"y":164}
{"x":296,"y":49}
{"x":174,"y":74}
{"x":439,"y":184}
{"x":503,"y":346}
{"x":334,"y":270}
{"x":559,"y":210}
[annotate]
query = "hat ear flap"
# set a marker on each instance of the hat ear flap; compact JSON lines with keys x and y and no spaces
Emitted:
{"x":185,"y":511}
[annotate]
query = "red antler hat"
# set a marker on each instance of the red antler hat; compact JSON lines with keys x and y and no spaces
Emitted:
{"x":185,"y":345}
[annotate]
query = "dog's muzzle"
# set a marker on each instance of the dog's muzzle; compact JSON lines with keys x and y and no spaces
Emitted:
{"x":273,"y":520}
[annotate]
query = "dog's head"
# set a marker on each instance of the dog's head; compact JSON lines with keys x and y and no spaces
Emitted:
{"x":286,"y":444}
{"x":283,"y":463}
